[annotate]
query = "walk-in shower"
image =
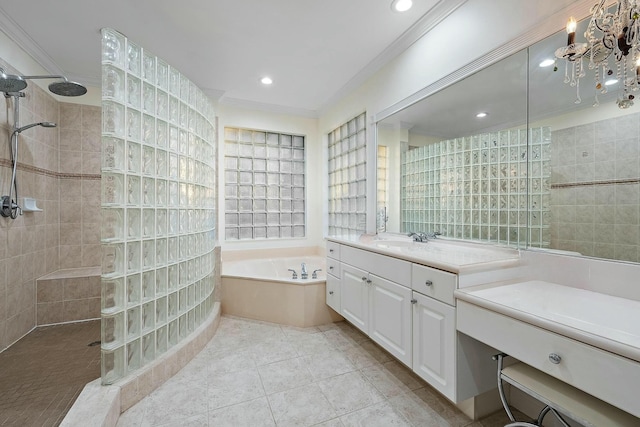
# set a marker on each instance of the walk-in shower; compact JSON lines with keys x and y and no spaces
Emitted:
{"x":12,"y":86}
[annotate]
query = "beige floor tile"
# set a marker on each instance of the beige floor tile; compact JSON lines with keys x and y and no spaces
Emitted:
{"x":236,"y":387}
{"x":299,"y":407}
{"x":440,"y":405}
{"x":285,"y":375}
{"x":378,"y":415}
{"x":331,"y":423}
{"x":382,"y":379}
{"x":418,"y":413}
{"x":349,"y":392}
{"x":176,"y":400}
{"x":310,"y":343}
{"x":230,"y":361}
{"x":273,"y":351}
{"x":328,"y":364}
{"x":253,"y":413}
{"x":404,"y":375}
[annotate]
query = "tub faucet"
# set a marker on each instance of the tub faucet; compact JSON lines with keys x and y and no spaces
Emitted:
{"x":418,"y":237}
{"x":295,"y":275}
{"x":314,"y":275}
{"x":303,"y":273}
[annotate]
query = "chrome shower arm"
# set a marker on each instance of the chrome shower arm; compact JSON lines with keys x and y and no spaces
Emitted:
{"x":45,"y":77}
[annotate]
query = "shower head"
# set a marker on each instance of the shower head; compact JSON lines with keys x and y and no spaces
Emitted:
{"x":64,"y":87}
{"x":11,"y":83}
{"x":43,"y":124}
{"x":67,"y":88}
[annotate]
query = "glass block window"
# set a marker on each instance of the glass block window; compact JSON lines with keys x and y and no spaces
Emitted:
{"x":382,"y":166}
{"x":158,"y":206}
{"x":347,"y":178}
{"x":477,"y":188}
{"x":264,"y":185}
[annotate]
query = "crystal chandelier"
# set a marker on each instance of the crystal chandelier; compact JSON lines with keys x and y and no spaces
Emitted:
{"x":612,"y":50}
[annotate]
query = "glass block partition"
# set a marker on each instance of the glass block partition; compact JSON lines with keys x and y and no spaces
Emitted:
{"x":264,"y":185}
{"x":158,"y":206}
{"x":347,"y":178}
{"x":477,"y":188}
{"x":382,"y":166}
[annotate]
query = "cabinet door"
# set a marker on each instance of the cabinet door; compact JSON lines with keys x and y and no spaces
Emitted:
{"x":434,"y":334}
{"x":390,"y":317}
{"x":333,"y":292}
{"x":354,"y":297}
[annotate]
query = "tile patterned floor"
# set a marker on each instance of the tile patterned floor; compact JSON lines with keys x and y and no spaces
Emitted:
{"x":260,"y":374}
{"x":42,"y":374}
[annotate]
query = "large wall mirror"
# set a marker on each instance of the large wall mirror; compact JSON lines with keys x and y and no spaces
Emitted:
{"x":506,"y":155}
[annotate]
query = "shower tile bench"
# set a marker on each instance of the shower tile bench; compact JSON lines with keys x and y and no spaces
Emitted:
{"x":68,"y":295}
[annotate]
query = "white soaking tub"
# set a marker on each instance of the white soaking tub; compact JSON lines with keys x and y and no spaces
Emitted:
{"x":263,"y":289}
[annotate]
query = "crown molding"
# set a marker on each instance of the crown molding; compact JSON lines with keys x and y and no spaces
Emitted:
{"x":26,"y":43}
{"x":426,"y":23}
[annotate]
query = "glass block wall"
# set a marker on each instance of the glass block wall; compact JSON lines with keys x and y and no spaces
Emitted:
{"x":347,"y":178}
{"x":264,"y":185}
{"x":476,"y":187}
{"x":382,"y":167}
{"x":158,"y":206}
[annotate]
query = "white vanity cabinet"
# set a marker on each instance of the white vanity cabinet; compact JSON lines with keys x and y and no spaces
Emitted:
{"x":409,"y":309}
{"x":333,"y":287}
{"x":376,"y":298}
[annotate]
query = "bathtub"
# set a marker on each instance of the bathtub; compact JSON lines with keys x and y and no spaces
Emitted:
{"x":262,"y":289}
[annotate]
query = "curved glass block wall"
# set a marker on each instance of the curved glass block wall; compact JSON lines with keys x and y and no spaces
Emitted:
{"x":347,"y":178}
{"x":158,"y":206}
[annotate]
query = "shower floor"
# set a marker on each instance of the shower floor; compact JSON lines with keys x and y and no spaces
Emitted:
{"x":42,"y":374}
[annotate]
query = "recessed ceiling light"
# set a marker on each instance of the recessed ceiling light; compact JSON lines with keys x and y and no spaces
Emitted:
{"x":547,"y":62}
{"x":266,"y":81}
{"x":482,"y":114}
{"x":611,"y":82}
{"x":401,"y":5}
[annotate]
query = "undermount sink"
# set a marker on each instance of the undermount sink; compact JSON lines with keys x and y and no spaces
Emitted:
{"x":394,"y":243}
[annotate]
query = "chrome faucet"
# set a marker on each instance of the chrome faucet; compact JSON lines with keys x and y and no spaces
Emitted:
{"x":314,"y":275}
{"x":295,"y":275}
{"x":303,"y":273}
{"x":434,"y":234}
{"x":418,"y":237}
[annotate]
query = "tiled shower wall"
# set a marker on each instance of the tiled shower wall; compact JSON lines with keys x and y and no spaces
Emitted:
{"x":347,"y":178}
{"x":158,"y":207}
{"x":79,"y":185}
{"x":477,"y":187}
{"x":596,"y":189}
{"x":31,"y":246}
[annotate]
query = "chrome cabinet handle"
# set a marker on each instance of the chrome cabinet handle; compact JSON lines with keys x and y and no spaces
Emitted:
{"x":555,"y":358}
{"x":331,"y":268}
{"x":330,"y":251}
{"x":414,"y":301}
{"x":428,"y":283}
{"x":330,"y":292}
{"x":369,"y":281}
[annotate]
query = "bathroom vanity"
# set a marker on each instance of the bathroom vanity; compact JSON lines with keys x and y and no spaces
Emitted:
{"x":582,"y":330}
{"x":401,"y":294}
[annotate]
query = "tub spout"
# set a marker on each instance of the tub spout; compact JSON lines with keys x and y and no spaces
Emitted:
{"x":303,"y":273}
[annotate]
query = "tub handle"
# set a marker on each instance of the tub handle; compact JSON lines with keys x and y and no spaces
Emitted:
{"x":314,"y":274}
{"x":295,"y":275}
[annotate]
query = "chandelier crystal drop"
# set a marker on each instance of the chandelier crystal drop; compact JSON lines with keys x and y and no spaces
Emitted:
{"x":611,"y":50}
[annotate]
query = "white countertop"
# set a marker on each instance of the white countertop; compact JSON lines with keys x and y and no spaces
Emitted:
{"x":604,"y":321}
{"x":450,"y":255}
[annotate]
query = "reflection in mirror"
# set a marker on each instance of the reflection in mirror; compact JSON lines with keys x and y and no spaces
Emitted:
{"x":575,"y":187}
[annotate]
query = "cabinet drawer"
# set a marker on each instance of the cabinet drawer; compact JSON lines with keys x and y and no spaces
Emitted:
{"x":333,"y":250}
{"x":333,"y":267}
{"x":434,"y":283}
{"x":600,"y":373}
{"x":390,"y":268}
{"x":333,"y":293}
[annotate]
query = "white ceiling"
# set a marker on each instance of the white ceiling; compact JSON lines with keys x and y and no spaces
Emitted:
{"x":314,"y":50}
